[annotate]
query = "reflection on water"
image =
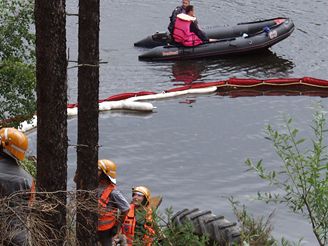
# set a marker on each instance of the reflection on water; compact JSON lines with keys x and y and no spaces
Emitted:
{"x":125,"y":113}
{"x":262,"y":65}
{"x":187,"y":71}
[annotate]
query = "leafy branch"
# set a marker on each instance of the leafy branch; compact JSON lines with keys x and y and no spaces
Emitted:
{"x":302,"y":175}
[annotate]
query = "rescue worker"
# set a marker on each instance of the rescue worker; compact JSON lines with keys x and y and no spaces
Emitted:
{"x":176,"y":11}
{"x":113,"y":207}
{"x":13,"y":178}
{"x":186,"y":30}
{"x":138,"y":224}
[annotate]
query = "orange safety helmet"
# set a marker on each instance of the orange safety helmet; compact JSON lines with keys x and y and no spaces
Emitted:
{"x":14,"y":142}
{"x":109,"y":168}
{"x":143,"y":190}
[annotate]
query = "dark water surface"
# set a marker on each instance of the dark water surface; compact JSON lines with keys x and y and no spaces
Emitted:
{"x":193,"y":153}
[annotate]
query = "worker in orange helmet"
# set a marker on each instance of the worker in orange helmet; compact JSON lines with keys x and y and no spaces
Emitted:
{"x":113,"y":207}
{"x":138,"y":224}
{"x":13,"y":178}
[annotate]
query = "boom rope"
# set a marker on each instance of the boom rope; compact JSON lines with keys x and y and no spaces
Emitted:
{"x":275,"y":84}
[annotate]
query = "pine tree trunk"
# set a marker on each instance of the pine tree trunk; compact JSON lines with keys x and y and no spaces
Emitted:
{"x":51,"y":74}
{"x":88,"y":109}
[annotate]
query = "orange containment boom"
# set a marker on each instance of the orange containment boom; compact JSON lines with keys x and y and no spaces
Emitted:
{"x":236,"y":87}
{"x":233,"y":87}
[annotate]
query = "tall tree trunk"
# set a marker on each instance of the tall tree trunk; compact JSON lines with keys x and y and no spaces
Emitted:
{"x":88,"y":109}
{"x":51,"y":74}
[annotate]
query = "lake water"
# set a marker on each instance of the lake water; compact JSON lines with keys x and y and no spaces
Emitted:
{"x":192,"y":149}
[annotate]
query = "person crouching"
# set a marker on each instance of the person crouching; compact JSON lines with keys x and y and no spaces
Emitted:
{"x":138,"y":224}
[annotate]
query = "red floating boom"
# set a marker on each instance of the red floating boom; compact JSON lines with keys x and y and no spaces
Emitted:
{"x":233,"y":87}
{"x":236,"y":87}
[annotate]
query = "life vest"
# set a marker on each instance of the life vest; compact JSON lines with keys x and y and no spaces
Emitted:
{"x":107,"y":214}
{"x":129,"y":225}
{"x":182,"y":33}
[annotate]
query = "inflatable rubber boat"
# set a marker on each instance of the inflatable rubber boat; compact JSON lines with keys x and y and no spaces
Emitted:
{"x":240,"y":39}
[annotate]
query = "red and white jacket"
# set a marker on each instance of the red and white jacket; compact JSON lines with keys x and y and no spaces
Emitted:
{"x":182,"y":33}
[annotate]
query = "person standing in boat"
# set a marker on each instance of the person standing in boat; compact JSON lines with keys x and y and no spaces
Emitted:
{"x":113,"y":207}
{"x":13,"y":178}
{"x":186,"y":30}
{"x":176,"y":11}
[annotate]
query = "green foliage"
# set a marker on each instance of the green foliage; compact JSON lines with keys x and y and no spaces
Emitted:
{"x":256,"y":231}
{"x":303,"y":174}
{"x":16,"y":37}
{"x":168,"y":234}
{"x":17,"y":90}
{"x":29,"y":165}
{"x":17,"y":61}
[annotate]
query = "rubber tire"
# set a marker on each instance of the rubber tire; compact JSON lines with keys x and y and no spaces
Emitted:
{"x":219,"y":230}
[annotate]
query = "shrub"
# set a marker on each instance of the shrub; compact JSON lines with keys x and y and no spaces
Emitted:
{"x":302,"y":175}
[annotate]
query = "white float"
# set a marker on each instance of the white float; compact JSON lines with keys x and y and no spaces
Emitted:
{"x":132,"y":103}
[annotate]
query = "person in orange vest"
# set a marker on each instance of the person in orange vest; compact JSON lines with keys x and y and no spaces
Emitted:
{"x":13,"y":178}
{"x":138,"y":224}
{"x":186,"y":30}
{"x":113,"y":207}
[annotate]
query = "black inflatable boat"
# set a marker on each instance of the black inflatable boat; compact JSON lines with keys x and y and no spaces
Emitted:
{"x":239,"y":39}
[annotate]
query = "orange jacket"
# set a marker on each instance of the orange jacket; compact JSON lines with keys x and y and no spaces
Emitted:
{"x":107,"y":216}
{"x":129,"y":225}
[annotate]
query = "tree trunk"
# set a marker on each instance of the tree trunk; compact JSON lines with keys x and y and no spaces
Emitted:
{"x":88,"y":109}
{"x":51,"y":74}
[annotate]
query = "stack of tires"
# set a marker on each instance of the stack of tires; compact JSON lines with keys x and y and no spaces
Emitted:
{"x":219,"y":230}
